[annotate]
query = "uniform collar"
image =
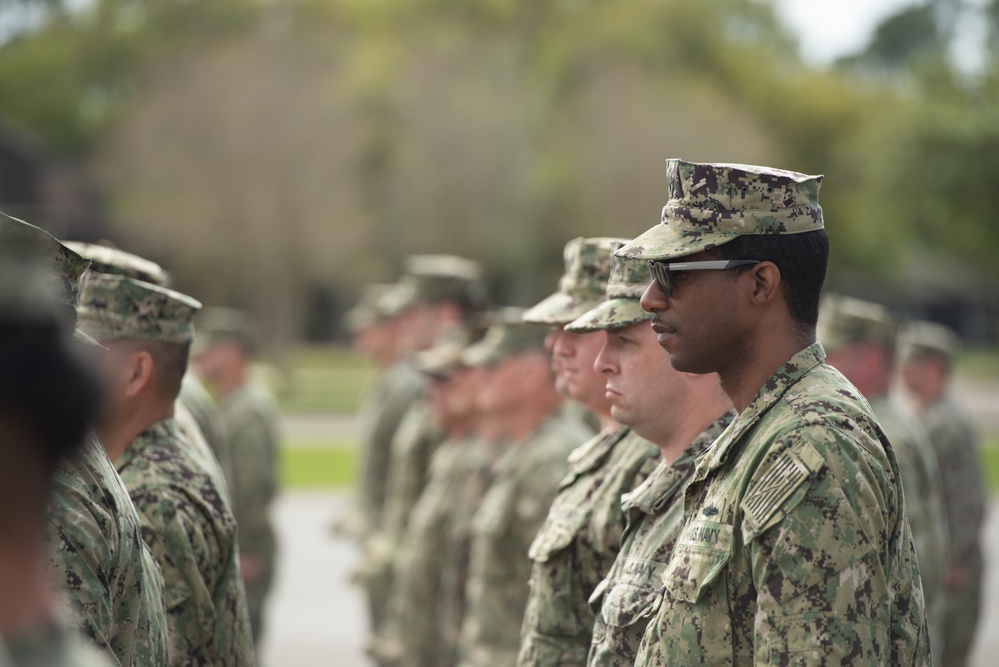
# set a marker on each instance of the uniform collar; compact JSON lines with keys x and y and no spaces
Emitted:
{"x":165,"y":428}
{"x":654,"y":495}
{"x":773,"y":389}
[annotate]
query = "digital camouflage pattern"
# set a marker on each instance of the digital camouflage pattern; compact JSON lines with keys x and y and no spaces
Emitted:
{"x":712,"y":204}
{"x":103,"y":572}
{"x":381,"y":412}
{"x":191,"y":532}
{"x":433,"y":278}
{"x":577,"y":545}
{"x":251,"y":419}
{"x":628,"y":598}
{"x":64,"y":267}
{"x":924,"y":504}
{"x":410,"y":636}
{"x":455,"y":554}
{"x":114,"y":307}
{"x":794,"y":546}
{"x":587,"y":268}
{"x":198,"y":447}
{"x":505,"y":525}
{"x":417,"y":438}
{"x":208,"y":418}
{"x":118,"y":262}
{"x":620,"y":307}
{"x":112,"y":588}
{"x":56,"y":647}
{"x":956,"y":444}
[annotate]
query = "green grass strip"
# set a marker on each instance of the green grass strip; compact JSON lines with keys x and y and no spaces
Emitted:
{"x":318,"y":467}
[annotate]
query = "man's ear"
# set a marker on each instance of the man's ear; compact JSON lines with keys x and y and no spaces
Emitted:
{"x":766,"y":283}
{"x":140,"y":373}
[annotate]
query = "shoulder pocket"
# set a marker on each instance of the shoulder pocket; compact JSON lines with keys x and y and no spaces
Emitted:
{"x":553,"y":538}
{"x":779,"y":490}
{"x":702,"y":553}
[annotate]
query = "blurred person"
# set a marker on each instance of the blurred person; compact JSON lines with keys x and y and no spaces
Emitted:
{"x":373,"y":334}
{"x":859,"y":338}
{"x":411,"y":635}
{"x":577,"y":544}
{"x":186,"y":519}
{"x":926,"y":353}
{"x":196,"y":414}
{"x":109,"y":586}
{"x":517,"y":389}
{"x":682,"y":413}
{"x":794,"y":544}
{"x":48,"y":395}
{"x":442,"y":294}
{"x":227,"y":345}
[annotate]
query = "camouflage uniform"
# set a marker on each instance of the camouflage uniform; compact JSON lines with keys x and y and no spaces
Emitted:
{"x":577,"y":545}
{"x":251,"y":420}
{"x":623,"y":600}
{"x":55,"y":648}
{"x":107,"y":578}
{"x":626,"y":599}
{"x":505,"y":525}
{"x":411,"y":636}
{"x":205,"y":413}
{"x":580,"y":538}
{"x":414,"y":443}
{"x":956,"y":444}
{"x":456,"y":551}
{"x":186,"y":520}
{"x":195,"y":409}
{"x":844,"y":321}
{"x":794,"y":546}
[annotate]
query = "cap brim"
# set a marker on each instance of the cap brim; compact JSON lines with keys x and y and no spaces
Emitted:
{"x":88,"y":340}
{"x":611,"y":314}
{"x":481,"y":354}
{"x":559,"y":309}
{"x":664,"y":242}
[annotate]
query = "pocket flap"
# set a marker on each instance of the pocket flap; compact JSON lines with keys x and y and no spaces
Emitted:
{"x":701,"y":554}
{"x":554,"y":537}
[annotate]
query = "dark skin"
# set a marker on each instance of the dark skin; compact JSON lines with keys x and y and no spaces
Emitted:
{"x":734,"y":323}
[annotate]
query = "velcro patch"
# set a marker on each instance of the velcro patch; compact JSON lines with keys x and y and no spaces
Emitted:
{"x":779,"y":484}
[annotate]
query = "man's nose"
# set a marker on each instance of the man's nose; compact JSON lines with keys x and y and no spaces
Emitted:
{"x":653,"y":299}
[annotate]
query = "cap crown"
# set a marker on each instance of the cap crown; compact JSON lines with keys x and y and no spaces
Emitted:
{"x":118,"y":262}
{"x":844,"y":320}
{"x":114,"y":307}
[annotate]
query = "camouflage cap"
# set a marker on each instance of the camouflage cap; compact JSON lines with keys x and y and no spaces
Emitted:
{"x":508,"y":335}
{"x":628,"y":280}
{"x":62,"y":266}
{"x":114,"y":307}
{"x":446,"y":277}
{"x":446,"y":354}
{"x":218,"y":323}
{"x":844,"y":320}
{"x":105,"y":259}
{"x":366,"y":312}
{"x":923,"y":338}
{"x":712,"y":204}
{"x":582,"y":286}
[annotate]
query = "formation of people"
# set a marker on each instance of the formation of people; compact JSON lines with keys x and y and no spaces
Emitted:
{"x":685,"y":455}
{"x":136,"y":529}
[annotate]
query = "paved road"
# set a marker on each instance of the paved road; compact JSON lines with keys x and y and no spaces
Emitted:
{"x":318,"y":620}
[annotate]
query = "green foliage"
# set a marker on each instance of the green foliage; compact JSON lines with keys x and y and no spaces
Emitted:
{"x":318,"y":465}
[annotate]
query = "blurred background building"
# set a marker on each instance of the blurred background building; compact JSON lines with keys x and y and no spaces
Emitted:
{"x":277,"y":155}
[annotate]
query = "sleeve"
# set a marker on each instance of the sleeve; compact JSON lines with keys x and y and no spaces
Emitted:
{"x":255,"y":463}
{"x":185,"y":551}
{"x":827,"y":549}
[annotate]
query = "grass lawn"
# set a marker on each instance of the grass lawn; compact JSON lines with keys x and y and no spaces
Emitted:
{"x":318,"y":466}
{"x":990,"y":461}
{"x":978,"y":364}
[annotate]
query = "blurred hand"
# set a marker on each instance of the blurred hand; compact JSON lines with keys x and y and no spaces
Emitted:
{"x":957,"y":577}
{"x":251,"y":569}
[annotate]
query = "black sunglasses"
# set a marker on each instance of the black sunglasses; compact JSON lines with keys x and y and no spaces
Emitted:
{"x":661,"y":270}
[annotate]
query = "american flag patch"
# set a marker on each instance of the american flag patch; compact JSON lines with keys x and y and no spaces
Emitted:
{"x":778,"y":484}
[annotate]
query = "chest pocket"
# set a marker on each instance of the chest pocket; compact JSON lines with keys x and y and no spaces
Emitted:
{"x":635,"y":594}
{"x":495,"y":512}
{"x":557,"y":534}
{"x":702,"y":553}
